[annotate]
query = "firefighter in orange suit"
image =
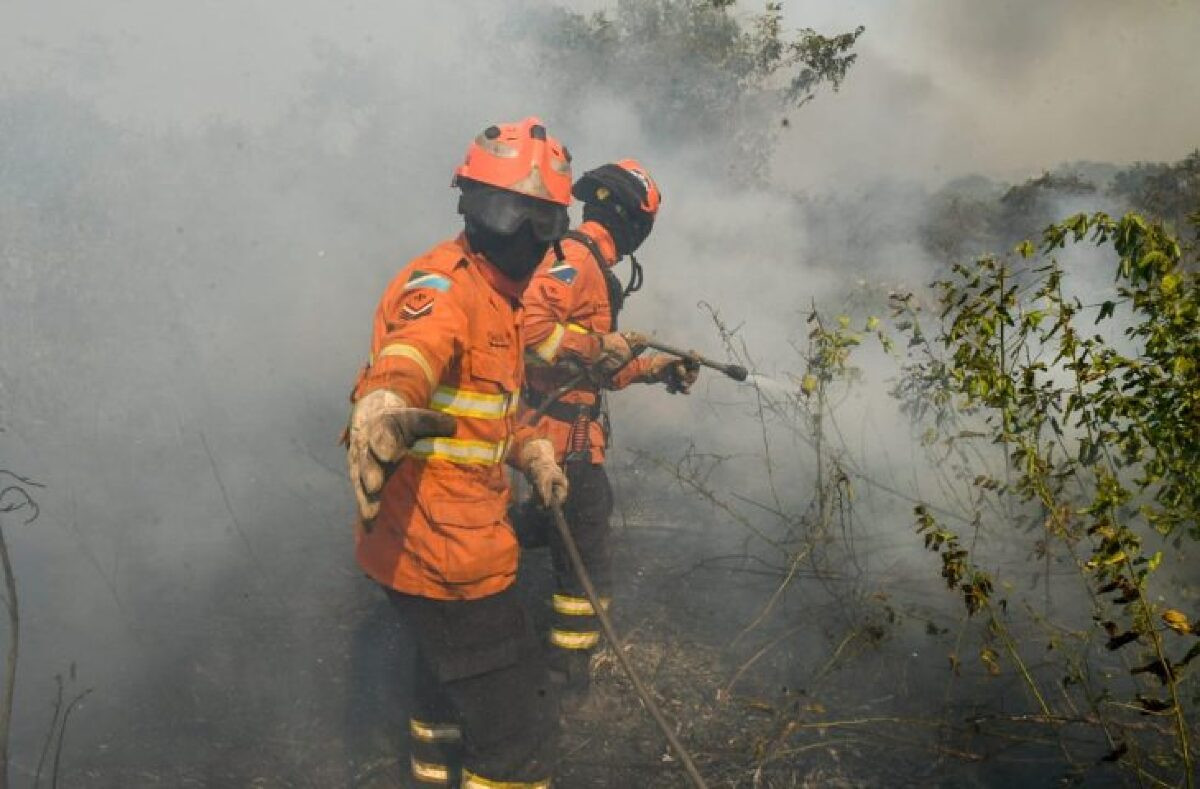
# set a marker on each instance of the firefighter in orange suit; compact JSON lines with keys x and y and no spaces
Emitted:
{"x":432,"y":424}
{"x":571,"y":308}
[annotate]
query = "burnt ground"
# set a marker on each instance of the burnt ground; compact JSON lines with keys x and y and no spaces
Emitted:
{"x":839,"y":685}
{"x":844,"y":682}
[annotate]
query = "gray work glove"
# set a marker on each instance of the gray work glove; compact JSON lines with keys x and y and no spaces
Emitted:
{"x":615,"y":352}
{"x":536,"y":459}
{"x":382,"y":428}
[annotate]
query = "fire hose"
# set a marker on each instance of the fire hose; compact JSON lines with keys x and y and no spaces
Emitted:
{"x":737,"y":373}
{"x":431,"y":424}
{"x":641,"y":342}
{"x":734,"y":371}
{"x":585,"y":580}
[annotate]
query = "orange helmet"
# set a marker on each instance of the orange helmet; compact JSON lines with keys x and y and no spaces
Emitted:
{"x":528,"y":175}
{"x":622,"y":196}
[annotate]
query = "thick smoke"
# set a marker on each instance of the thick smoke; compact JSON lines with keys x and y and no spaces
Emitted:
{"x":198,"y":211}
{"x":1000,"y":89}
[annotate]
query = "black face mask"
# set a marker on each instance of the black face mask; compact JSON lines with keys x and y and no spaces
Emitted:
{"x":627,"y":234}
{"x":516,"y":254}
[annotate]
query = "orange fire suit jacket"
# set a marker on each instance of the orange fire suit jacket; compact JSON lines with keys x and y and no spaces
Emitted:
{"x":566,"y":311}
{"x":448,"y":337}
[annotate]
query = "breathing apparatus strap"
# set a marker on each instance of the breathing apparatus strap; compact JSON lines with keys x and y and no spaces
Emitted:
{"x":636,"y":276}
{"x":616,"y":291}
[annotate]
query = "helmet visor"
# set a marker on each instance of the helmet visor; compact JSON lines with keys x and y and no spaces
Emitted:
{"x":503,"y":212}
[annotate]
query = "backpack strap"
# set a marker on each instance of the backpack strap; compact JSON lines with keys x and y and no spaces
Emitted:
{"x":616,"y":292}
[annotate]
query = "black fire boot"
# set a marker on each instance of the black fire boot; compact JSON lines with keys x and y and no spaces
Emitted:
{"x":571,"y":671}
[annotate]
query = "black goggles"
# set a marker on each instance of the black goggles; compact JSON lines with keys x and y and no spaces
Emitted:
{"x":504,"y":212}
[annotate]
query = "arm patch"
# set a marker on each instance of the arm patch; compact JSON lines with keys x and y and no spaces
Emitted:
{"x":417,"y":303}
{"x":563,"y":272}
{"x":427,"y":279}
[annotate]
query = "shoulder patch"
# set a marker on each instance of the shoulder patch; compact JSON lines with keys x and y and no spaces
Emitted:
{"x":427,"y":279}
{"x":417,"y":303}
{"x":563,"y":272}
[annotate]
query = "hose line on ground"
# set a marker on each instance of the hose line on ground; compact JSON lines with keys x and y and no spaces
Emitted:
{"x":685,"y":758}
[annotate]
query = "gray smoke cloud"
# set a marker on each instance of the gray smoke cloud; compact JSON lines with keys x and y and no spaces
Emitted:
{"x":200,"y":204}
{"x":998,"y":88}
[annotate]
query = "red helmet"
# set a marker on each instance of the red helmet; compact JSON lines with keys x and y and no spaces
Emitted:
{"x":527,"y":177}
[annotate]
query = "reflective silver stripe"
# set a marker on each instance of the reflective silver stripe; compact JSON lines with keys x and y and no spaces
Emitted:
{"x":434,"y":732}
{"x":567,"y":639}
{"x":472,"y":781}
{"x":461,"y":450}
{"x":548,"y":348}
{"x":481,"y":405}
{"x":429,"y":772}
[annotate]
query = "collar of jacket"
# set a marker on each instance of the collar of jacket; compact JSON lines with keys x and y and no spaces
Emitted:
{"x":599,"y":233}
{"x":509,"y":288}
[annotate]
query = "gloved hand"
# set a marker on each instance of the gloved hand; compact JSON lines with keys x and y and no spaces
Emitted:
{"x":678,"y":374}
{"x":546,"y":476}
{"x":382,"y":428}
{"x":614,"y":353}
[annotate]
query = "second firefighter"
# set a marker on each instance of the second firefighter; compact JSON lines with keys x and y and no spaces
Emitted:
{"x":573,"y":354}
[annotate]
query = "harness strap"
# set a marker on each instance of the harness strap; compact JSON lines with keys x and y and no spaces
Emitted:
{"x":616,"y":292}
{"x":564,"y":412}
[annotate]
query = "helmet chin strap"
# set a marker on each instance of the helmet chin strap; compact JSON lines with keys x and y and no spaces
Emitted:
{"x":636,"y":276}
{"x":558,"y":253}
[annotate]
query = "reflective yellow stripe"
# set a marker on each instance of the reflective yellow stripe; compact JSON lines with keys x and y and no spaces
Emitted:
{"x":575,"y":327}
{"x":429,"y":772}
{"x":548,"y":347}
{"x":569,"y":640}
{"x":461,"y":450}
{"x":480,"y":405}
{"x":472,"y":781}
{"x":576,"y":606}
{"x":433,"y":732}
{"x":408,"y":352}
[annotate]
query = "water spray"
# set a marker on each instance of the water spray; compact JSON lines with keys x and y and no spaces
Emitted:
{"x":768,"y":384}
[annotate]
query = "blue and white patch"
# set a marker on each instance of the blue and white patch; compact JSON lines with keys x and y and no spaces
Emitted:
{"x":564,"y":272}
{"x":426,"y":279}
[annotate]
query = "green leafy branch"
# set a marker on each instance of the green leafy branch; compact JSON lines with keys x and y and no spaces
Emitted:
{"x":1102,"y":438}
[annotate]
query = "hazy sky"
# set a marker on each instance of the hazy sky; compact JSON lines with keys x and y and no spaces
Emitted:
{"x":1004,"y":87}
{"x":939,"y":89}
